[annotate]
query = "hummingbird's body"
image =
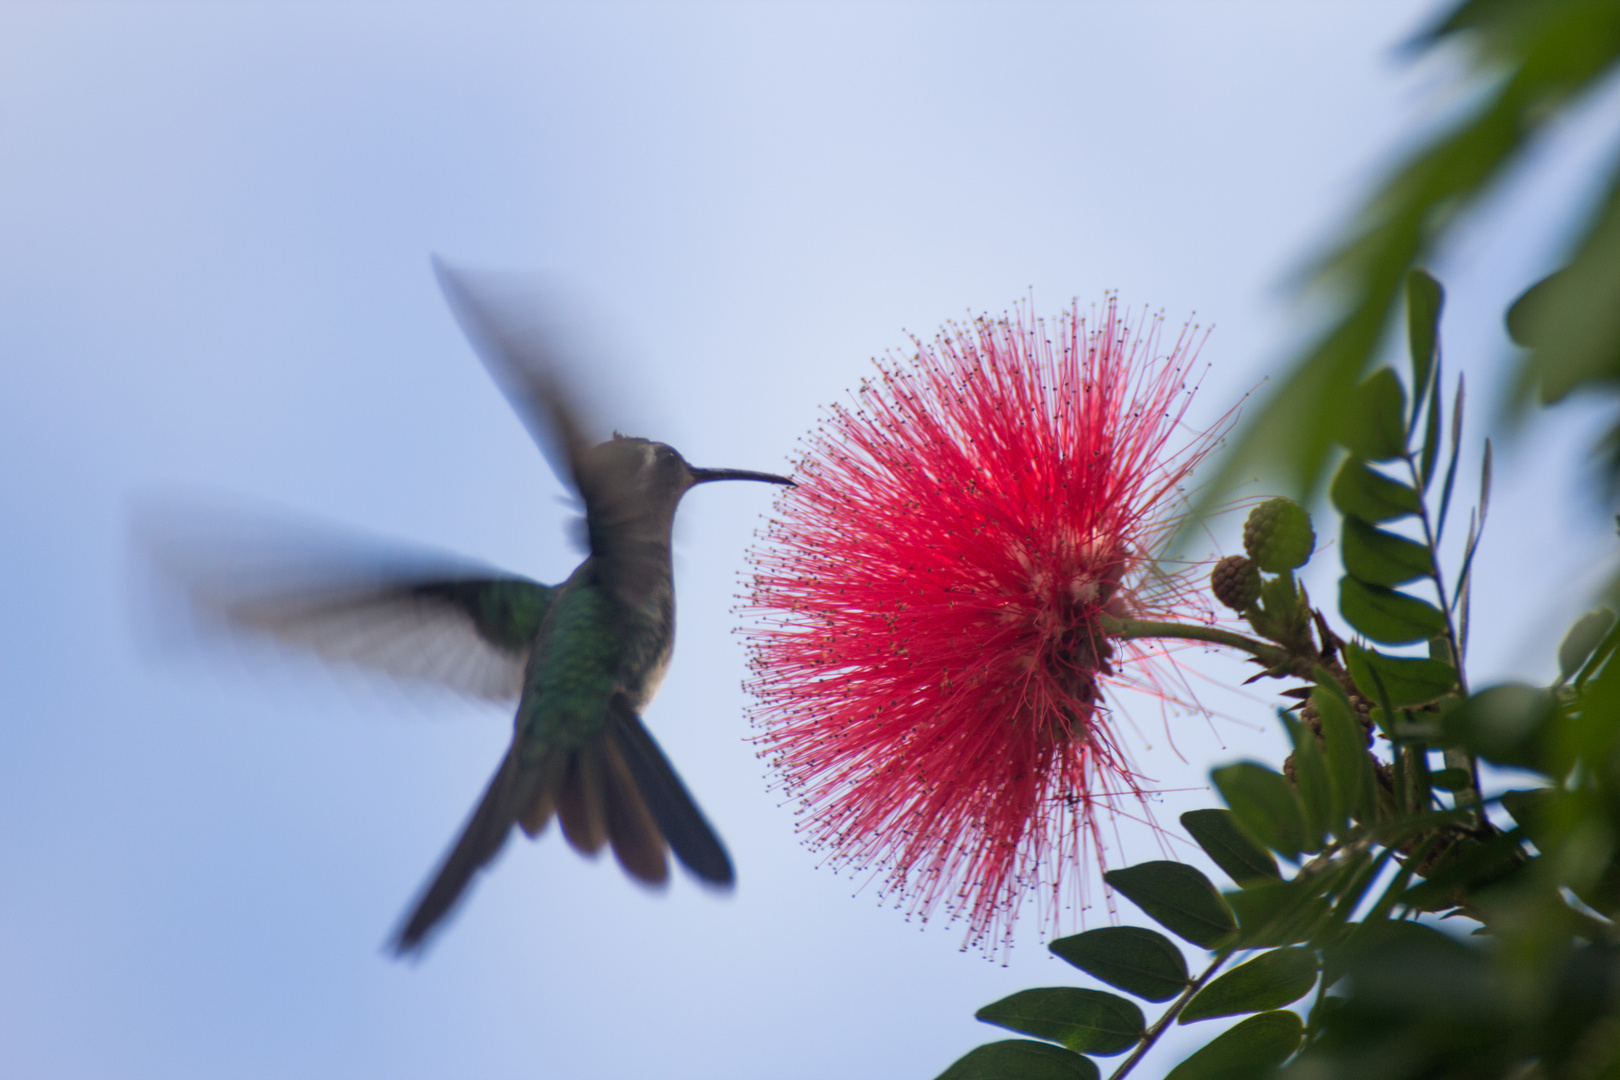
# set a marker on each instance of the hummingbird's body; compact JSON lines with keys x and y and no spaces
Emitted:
{"x":601,"y":646}
{"x":582,"y":658}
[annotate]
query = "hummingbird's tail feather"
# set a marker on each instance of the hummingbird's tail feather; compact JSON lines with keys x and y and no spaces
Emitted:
{"x":582,"y":802}
{"x":689,"y":834}
{"x":479,"y":843}
{"x":637,"y":842}
{"x":593,"y":793}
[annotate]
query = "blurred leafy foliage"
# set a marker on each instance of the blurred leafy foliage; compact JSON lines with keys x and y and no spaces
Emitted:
{"x":1527,"y":64}
{"x":1376,"y":828}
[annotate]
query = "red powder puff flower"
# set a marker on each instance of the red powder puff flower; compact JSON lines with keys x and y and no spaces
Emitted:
{"x":931,"y":658}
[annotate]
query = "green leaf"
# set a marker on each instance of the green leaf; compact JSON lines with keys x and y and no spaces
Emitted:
{"x":1378,"y":557}
{"x":1424,"y":299}
{"x":1312,"y":783}
{"x":1521,"y":314}
{"x":1431,"y":432}
{"x":1573,"y":318}
{"x":1374,"y":420}
{"x":1225,"y":842}
{"x":1402,"y":681}
{"x":1085,"y":1021}
{"x":1269,"y":981}
{"x":1133,"y":958}
{"x":1503,"y":724}
{"x":1021,"y":1059}
{"x":1530,"y":807}
{"x":1266,"y":805}
{"x":1260,"y":1042}
{"x":1449,"y":779}
{"x":1386,"y":616}
{"x":1451,"y":465}
{"x":1524,"y":69}
{"x":1467,"y":864}
{"x":1281,"y":912}
{"x":1361,"y":871}
{"x":1582,"y":640}
{"x":1178,"y":898}
{"x":1345,"y":750}
{"x":1361,"y":491}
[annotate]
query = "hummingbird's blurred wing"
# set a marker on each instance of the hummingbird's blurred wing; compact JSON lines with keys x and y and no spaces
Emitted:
{"x":525,"y":365}
{"x":417,"y":615}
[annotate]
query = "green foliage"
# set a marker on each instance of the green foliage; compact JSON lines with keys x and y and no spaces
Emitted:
{"x":1528,"y":64}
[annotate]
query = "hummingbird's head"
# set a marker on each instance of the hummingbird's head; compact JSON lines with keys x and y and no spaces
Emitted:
{"x":646,"y":478}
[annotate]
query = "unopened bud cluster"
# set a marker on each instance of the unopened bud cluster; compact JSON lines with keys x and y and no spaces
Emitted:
{"x":1279,"y":539}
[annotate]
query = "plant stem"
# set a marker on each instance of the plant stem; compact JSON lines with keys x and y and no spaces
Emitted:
{"x":1152,"y":1034}
{"x":1270,"y":655}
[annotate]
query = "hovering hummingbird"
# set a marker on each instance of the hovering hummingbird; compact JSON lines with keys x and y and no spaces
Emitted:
{"x":583,"y":658}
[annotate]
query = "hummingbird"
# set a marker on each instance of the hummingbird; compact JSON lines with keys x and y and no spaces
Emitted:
{"x":583,"y":658}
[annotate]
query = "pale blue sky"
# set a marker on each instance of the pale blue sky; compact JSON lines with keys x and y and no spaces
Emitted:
{"x":215,"y":222}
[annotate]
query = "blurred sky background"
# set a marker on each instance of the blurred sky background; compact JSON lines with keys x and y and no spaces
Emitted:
{"x":215,"y":223}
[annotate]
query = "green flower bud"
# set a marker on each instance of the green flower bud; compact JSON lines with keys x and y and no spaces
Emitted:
{"x":1278,"y":536}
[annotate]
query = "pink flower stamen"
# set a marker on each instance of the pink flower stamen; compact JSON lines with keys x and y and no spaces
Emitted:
{"x":929,"y":663}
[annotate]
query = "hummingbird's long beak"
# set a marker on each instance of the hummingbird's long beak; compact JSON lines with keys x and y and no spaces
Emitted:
{"x":703,"y":476}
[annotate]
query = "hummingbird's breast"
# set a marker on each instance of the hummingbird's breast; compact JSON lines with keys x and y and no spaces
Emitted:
{"x":649,"y":644}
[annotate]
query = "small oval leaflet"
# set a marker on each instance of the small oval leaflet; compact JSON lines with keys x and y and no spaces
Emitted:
{"x":1346,"y":752}
{"x":1373,"y":419}
{"x":1266,"y":803}
{"x":1023,"y":1059}
{"x":1449,"y":779}
{"x":1260,"y":1041}
{"x":1231,"y":849}
{"x":1503,"y":724}
{"x":1312,"y":783}
{"x":1133,"y":958}
{"x":1269,"y":981}
{"x":1361,"y":491}
{"x":1402,"y":680}
{"x":1424,"y":300}
{"x":1088,"y":1021}
{"x":1387,"y":616}
{"x":1582,"y":641}
{"x":1178,"y":898}
{"x":1279,"y":912}
{"x":1382,"y":558}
